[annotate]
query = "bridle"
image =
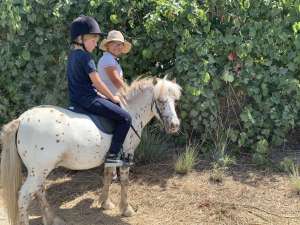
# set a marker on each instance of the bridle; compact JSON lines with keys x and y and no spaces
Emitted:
{"x":154,"y":103}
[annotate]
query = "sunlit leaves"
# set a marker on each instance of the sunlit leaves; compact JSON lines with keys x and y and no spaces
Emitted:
{"x":227,"y":76}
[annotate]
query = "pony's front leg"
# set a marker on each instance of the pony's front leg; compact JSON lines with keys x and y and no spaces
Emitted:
{"x":105,"y":201}
{"x":125,"y":208}
{"x":49,"y":218}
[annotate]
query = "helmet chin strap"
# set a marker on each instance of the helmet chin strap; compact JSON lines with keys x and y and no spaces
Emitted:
{"x":80,"y":44}
{"x":83,"y":43}
{"x":83,"y":46}
{"x":97,"y":50}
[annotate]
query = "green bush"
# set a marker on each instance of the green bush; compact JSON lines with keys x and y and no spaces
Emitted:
{"x":238,"y":58}
{"x":152,"y":148}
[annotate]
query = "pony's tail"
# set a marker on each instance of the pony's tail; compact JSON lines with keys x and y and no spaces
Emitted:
{"x":11,"y":174}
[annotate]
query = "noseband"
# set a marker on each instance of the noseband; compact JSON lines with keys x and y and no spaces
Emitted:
{"x":158,"y":111}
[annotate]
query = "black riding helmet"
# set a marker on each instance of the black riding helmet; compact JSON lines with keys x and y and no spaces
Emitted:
{"x":84,"y":25}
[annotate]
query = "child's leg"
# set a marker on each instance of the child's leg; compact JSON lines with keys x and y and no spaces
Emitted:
{"x":106,"y":108}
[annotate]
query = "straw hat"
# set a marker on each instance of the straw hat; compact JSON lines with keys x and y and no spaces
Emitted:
{"x":115,"y":35}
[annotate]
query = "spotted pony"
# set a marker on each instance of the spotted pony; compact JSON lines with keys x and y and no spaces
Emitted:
{"x":46,"y":137}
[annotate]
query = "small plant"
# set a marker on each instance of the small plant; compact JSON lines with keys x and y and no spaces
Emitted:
{"x":287,"y":165}
{"x":152,"y":148}
{"x":295,"y":178}
{"x":226,"y":161}
{"x":221,"y":141}
{"x":186,"y":160}
{"x":217,"y":174}
{"x":290,"y":167}
{"x":260,"y":157}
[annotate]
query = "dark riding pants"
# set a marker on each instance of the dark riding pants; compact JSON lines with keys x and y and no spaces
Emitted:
{"x":108,"y":109}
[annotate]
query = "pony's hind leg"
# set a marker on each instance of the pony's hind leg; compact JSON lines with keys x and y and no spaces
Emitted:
{"x":105,"y":201}
{"x":27,"y":192}
{"x":49,"y":218}
{"x":125,"y":208}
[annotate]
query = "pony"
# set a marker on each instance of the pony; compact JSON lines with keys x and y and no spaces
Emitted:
{"x":45,"y":137}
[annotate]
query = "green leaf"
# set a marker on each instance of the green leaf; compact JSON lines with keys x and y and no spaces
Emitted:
{"x":39,"y":40}
{"x":114,"y":19}
{"x":206,"y":78}
{"x":216,"y":84}
{"x":26,"y":55}
{"x":228,"y":77}
{"x":146,"y":53}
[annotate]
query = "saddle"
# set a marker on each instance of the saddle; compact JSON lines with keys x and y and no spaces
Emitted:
{"x":102,"y":123}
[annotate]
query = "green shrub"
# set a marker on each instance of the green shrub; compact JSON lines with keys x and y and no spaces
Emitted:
{"x":239,"y":58}
{"x":152,"y":148}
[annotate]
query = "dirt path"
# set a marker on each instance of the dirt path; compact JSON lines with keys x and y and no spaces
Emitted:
{"x":161,"y":197}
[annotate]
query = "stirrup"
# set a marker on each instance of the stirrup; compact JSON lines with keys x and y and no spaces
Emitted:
{"x":118,"y":163}
{"x":113,"y":163}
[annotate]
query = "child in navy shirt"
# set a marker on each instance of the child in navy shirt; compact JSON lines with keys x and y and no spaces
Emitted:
{"x":84,"y":82}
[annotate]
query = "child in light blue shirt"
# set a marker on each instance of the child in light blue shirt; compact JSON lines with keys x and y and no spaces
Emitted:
{"x":109,"y":69}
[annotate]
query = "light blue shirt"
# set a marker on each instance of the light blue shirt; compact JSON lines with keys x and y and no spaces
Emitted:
{"x":108,"y":60}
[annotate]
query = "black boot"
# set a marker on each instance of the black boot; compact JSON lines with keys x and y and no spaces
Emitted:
{"x":113,"y":160}
{"x":128,"y":160}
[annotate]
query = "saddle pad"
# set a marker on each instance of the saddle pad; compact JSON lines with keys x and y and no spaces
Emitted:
{"x":104,"y":124}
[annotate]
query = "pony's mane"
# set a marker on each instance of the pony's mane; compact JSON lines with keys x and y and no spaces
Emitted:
{"x":163,"y":87}
{"x":136,"y":87}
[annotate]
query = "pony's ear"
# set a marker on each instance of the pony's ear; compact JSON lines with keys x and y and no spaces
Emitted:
{"x":166,"y":76}
{"x":154,"y":81}
{"x":174,"y":80}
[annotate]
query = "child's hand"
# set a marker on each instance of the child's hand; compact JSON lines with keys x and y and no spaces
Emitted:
{"x":123,"y":101}
{"x":116,"y":99}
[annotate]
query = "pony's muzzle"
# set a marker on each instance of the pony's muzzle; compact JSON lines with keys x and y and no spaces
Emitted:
{"x":174,"y":126}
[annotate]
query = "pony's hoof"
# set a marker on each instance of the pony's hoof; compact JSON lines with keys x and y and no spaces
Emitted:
{"x":107,"y":205}
{"x":128,"y":211}
{"x":59,"y":221}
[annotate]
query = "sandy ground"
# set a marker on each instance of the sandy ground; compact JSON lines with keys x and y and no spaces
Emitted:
{"x":3,"y":219}
{"x":160,"y":197}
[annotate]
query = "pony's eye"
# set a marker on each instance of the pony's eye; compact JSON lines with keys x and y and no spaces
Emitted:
{"x":161,"y":101}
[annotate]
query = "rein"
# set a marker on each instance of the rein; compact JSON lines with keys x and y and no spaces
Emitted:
{"x":137,"y":134}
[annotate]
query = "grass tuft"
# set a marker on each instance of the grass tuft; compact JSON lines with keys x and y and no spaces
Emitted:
{"x":186,"y":160}
{"x":217,"y":174}
{"x":152,"y":148}
{"x":295,"y":178}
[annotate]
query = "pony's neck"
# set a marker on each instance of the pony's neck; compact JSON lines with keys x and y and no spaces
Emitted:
{"x":139,"y":100}
{"x":140,"y":109}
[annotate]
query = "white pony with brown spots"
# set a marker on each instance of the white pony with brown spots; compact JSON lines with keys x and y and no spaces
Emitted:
{"x":47,"y":137}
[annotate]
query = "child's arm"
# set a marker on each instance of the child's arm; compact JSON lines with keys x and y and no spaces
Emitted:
{"x":114,"y":76}
{"x":102,"y":88}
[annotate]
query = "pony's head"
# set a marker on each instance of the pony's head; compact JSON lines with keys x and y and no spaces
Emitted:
{"x":166,"y":93}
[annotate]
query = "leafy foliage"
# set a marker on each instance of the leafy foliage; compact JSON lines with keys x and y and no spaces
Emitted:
{"x":238,"y":58}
